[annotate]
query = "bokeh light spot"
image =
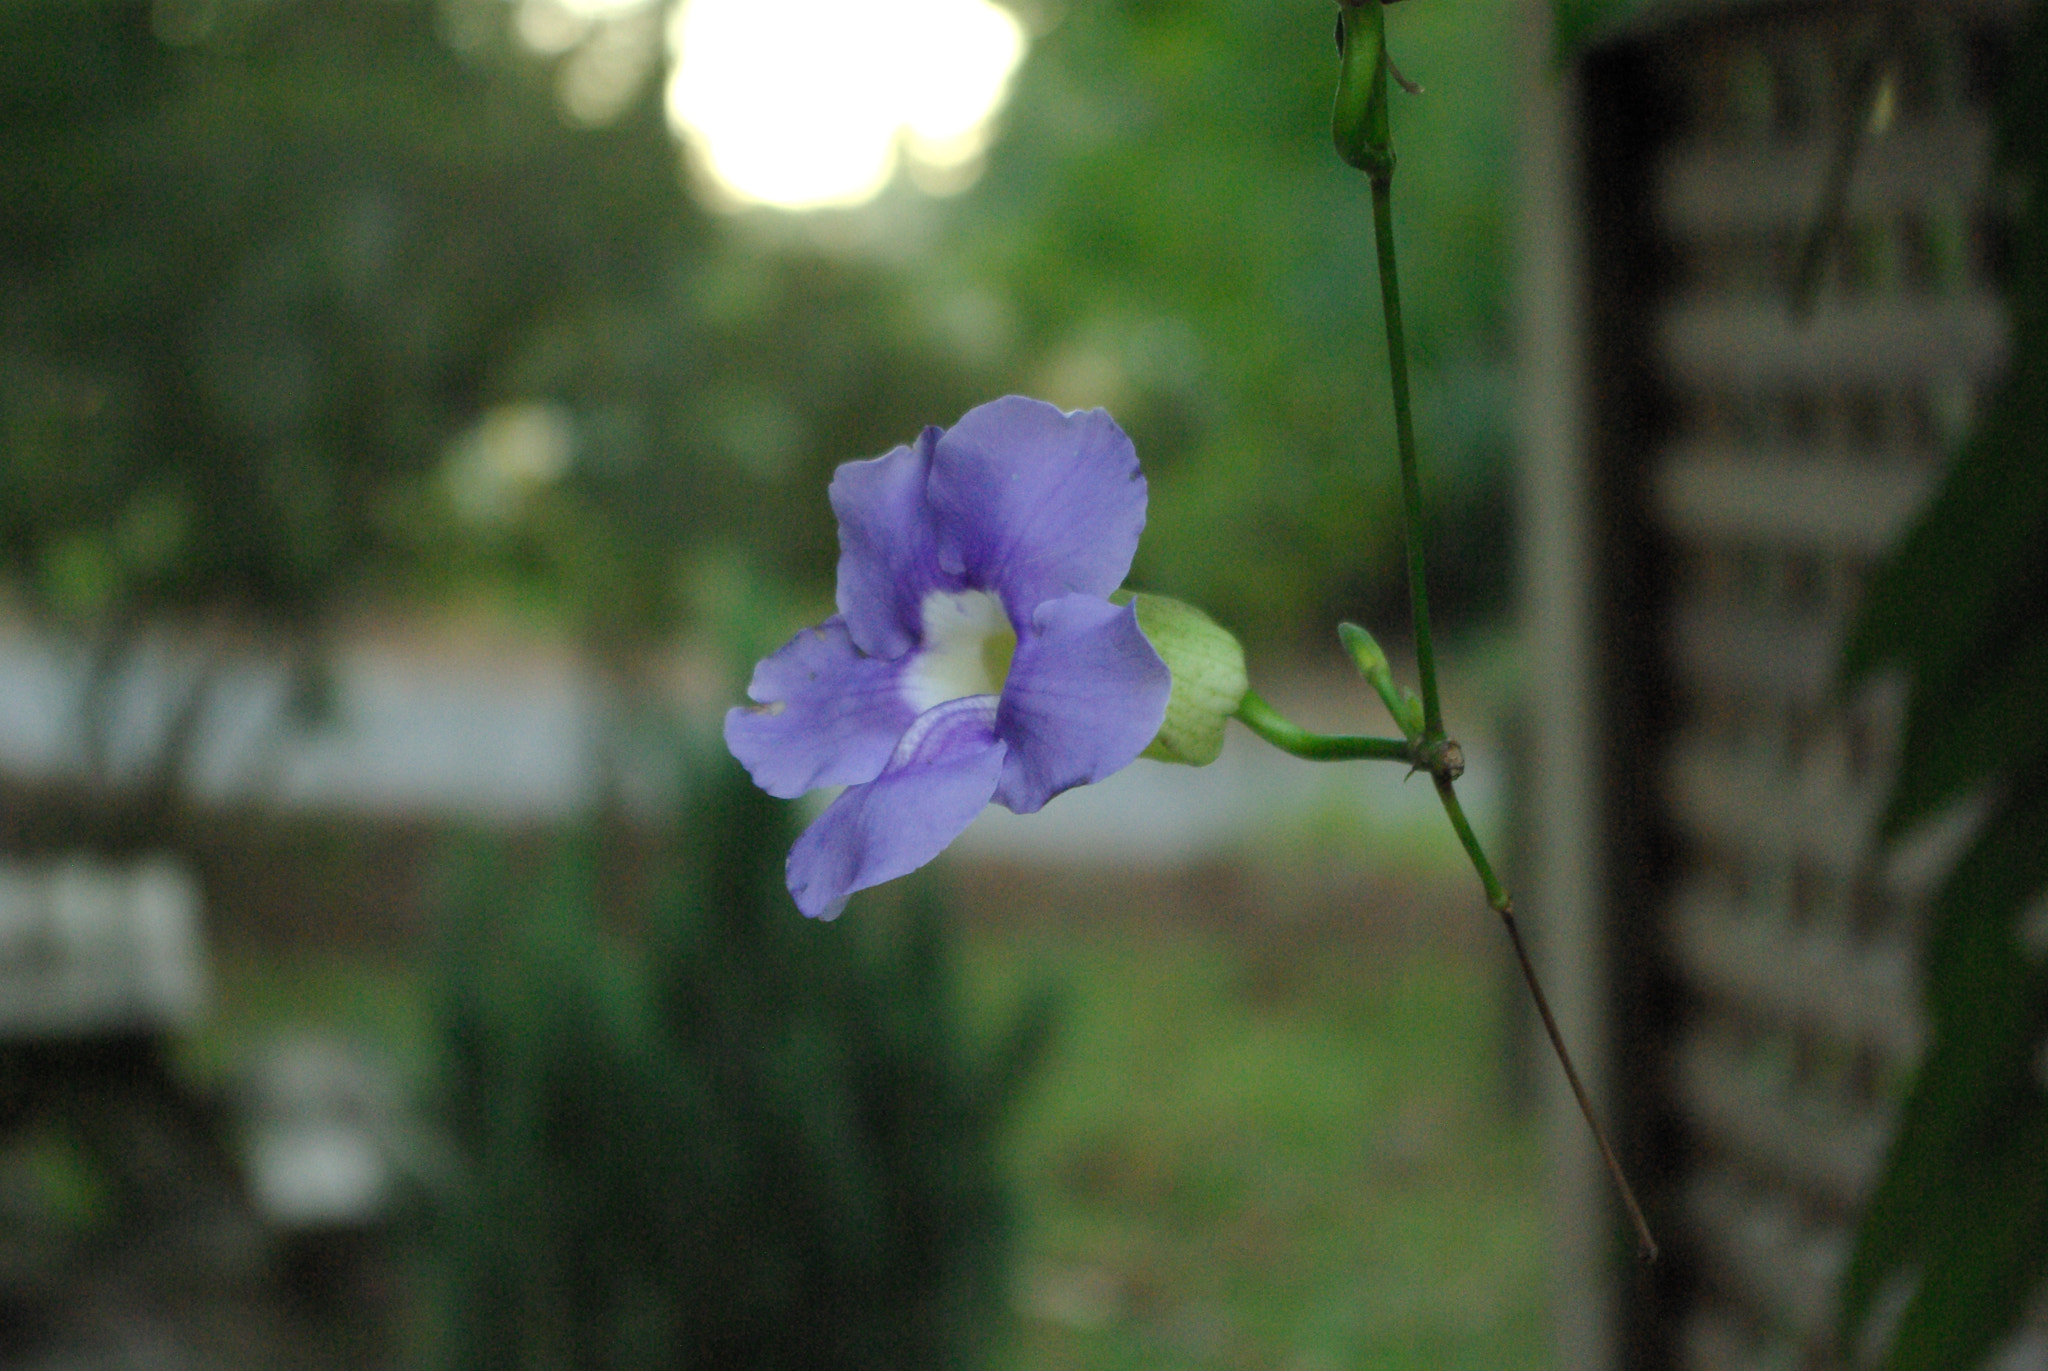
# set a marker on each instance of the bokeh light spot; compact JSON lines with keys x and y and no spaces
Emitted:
{"x":812,"y":103}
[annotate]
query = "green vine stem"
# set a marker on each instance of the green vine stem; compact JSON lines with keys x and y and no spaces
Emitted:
{"x":1404,"y":439}
{"x":1363,"y":134}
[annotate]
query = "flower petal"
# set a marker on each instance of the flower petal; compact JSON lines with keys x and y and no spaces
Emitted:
{"x":887,"y":558}
{"x":1086,"y":694}
{"x":828,"y":715}
{"x":1032,"y":502}
{"x":941,"y":775}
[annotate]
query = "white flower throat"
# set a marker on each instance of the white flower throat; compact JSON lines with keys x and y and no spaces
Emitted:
{"x":968,"y":644}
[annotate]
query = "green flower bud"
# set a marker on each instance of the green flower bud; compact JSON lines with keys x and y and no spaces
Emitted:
{"x":1208,"y":679}
{"x":1359,"y":120}
{"x":1409,"y":715}
{"x":1379,"y":674}
{"x":1366,"y":651}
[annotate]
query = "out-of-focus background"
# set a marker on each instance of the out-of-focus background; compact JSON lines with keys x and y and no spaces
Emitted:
{"x":415,"y":418}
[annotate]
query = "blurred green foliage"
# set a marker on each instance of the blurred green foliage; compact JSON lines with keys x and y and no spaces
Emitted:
{"x":274,"y":272}
{"x":1282,"y":1143}
{"x":741,"y":1140}
{"x":1169,"y":233}
{"x":1577,"y":24}
{"x":269,"y":266}
{"x":264,"y":274}
{"x":1958,"y":1220}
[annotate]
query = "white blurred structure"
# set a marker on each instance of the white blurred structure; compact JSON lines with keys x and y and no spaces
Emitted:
{"x":87,"y":946}
{"x":416,"y":728}
{"x":422,"y":726}
{"x":323,"y":1135}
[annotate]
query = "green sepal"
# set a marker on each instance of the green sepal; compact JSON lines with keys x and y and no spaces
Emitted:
{"x":1209,"y":680}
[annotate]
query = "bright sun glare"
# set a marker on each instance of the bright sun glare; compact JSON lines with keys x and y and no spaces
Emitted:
{"x":811,"y":103}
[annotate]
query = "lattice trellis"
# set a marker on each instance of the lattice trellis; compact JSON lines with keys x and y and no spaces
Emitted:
{"x":1756,"y":463}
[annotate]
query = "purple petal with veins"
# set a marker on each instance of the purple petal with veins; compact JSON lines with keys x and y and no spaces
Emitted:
{"x":1032,"y":503}
{"x":888,"y":557}
{"x":827,"y":715}
{"x":1086,"y":694}
{"x":940,"y":777}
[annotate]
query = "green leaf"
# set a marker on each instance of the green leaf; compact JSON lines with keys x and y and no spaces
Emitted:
{"x":1975,"y":564}
{"x":1993,"y":718}
{"x":1982,"y":1266}
{"x":1919,"y":1210}
{"x":1576,"y":25}
{"x":1987,"y":1001}
{"x":1975,"y":551}
{"x":1973,"y":951}
{"x":1962,"y":1204}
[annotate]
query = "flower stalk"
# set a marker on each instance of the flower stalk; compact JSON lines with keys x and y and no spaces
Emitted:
{"x":1261,"y":718}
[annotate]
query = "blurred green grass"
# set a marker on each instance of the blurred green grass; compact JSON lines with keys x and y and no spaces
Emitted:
{"x":378,"y":1005}
{"x":1236,"y":1161}
{"x":1261,"y":1145}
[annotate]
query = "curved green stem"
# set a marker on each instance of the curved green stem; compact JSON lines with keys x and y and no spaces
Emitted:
{"x":1496,"y":894}
{"x":1261,"y":718}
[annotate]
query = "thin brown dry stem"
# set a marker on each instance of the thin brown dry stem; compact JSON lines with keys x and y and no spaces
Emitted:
{"x":1646,"y":1245}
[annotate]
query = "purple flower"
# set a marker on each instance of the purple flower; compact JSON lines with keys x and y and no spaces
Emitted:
{"x":974,"y":656}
